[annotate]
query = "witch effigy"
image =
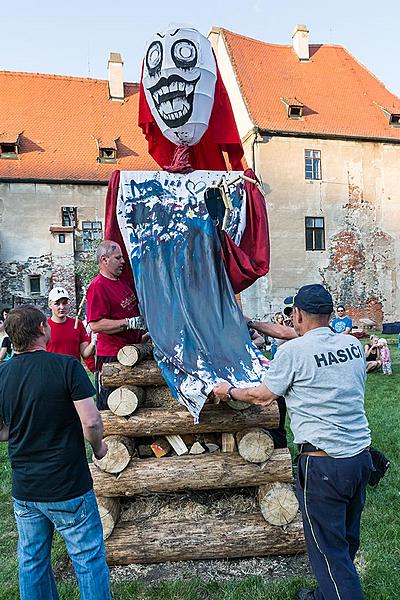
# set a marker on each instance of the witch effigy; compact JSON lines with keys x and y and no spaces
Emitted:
{"x":195,"y":232}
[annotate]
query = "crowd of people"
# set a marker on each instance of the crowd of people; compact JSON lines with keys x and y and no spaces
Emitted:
{"x":46,"y":413}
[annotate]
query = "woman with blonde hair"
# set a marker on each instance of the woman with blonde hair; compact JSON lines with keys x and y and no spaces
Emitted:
{"x":372,"y":354}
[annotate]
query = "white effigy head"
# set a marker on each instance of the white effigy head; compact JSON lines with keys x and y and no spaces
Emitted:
{"x":179,"y":76}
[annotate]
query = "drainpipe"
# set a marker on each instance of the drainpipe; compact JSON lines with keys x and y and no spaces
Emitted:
{"x":256,"y":140}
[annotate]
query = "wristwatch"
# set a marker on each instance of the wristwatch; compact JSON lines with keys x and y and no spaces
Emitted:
{"x":229,"y":392}
{"x":250,"y":324}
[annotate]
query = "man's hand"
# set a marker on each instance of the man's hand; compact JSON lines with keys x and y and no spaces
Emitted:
{"x":102,"y":451}
{"x":136,"y":323}
{"x":221,"y":390}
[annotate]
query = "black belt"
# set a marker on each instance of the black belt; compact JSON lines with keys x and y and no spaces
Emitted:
{"x":307,"y":447}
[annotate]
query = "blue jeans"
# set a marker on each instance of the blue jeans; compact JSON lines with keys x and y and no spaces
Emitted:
{"x":78,"y":522}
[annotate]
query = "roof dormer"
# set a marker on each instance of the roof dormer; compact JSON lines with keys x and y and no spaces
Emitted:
{"x":392,"y":114}
{"x":9,"y":144}
{"x":294,"y":108}
{"x":107,"y":150}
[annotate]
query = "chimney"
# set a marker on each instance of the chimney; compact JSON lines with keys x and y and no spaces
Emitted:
{"x":300,"y":42}
{"x":115,"y":77}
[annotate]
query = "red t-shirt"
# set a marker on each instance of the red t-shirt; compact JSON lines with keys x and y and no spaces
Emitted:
{"x":112,"y":299}
{"x":65,"y":339}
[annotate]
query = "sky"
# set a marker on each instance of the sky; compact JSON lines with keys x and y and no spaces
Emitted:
{"x":76,"y":37}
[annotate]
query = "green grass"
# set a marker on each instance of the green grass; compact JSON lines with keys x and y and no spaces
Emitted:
{"x":380,"y":545}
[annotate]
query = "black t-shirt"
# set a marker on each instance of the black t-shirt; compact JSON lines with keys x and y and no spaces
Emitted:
{"x":46,"y":445}
{"x":6,"y":343}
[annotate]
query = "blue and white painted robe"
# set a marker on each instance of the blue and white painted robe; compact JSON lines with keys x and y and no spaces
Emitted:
{"x":197,"y":327}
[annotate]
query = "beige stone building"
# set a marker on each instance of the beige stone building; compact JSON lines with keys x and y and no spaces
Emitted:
{"x":322,"y":134}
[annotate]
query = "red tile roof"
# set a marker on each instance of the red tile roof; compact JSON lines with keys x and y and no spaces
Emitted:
{"x":340,"y":96}
{"x":60,"y":119}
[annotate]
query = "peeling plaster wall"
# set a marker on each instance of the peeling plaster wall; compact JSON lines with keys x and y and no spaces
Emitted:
{"x":27,"y":247}
{"x":359,"y":198}
{"x":14,"y":281}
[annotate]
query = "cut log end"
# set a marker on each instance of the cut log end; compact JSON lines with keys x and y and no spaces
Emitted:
{"x":278,"y":503}
{"x":132,"y":354}
{"x":125,"y":400}
{"x":120,"y":450}
{"x":109,"y":510}
{"x":255,"y":445}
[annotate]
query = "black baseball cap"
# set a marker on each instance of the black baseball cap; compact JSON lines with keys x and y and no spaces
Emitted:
{"x":314,"y":299}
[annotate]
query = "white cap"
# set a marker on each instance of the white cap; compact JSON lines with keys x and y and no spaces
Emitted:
{"x":58,"y":292}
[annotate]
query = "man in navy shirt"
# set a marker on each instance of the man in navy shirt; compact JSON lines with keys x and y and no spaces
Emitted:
{"x":341,"y":324}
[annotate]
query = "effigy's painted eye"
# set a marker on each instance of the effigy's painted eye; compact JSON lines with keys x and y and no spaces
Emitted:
{"x":184,"y":54}
{"x":154,"y":57}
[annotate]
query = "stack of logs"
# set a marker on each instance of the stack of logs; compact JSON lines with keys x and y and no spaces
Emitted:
{"x":155,"y":448}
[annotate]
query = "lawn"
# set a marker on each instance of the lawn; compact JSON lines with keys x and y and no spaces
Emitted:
{"x":379,"y":559}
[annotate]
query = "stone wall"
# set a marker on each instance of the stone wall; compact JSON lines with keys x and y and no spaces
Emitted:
{"x":359,"y":198}
{"x":33,"y":241}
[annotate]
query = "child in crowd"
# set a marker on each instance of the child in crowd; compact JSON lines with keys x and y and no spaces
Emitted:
{"x":279,"y":318}
{"x":384,"y":353}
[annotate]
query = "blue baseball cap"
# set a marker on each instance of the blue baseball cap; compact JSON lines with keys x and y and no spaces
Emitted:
{"x":314,"y":299}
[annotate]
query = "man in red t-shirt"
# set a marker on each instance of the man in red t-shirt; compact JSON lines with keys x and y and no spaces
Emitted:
{"x":112,"y":311}
{"x":65,"y":338}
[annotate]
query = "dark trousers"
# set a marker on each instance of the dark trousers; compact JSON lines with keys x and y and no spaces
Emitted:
{"x":331,"y":494}
{"x":102,"y":392}
{"x":279,"y":435}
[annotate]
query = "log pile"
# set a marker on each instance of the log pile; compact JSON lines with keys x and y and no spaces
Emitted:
{"x":155,"y":448}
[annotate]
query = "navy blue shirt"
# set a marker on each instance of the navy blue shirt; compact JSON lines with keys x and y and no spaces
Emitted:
{"x":46,"y":444}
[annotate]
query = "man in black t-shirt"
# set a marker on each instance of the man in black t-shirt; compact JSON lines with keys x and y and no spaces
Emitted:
{"x":46,"y":410}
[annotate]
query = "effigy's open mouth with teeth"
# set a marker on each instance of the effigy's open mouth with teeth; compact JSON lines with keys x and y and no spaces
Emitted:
{"x":173,"y":98}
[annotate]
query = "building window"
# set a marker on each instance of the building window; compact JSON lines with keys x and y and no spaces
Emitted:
{"x":8,"y":150}
{"x":295,"y":112}
{"x":34,"y":284}
{"x":312,"y":164}
{"x":315,"y":233}
{"x":108,"y":155}
{"x":61,"y":238}
{"x":68,"y":216}
{"x":395,"y":120}
{"x":91,"y":234}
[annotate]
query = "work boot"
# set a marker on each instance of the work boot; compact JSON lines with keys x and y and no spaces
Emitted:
{"x":304,"y":594}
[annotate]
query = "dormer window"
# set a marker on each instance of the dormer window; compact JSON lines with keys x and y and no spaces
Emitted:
{"x":393,"y":114}
{"x":9,"y":145}
{"x":395,"y":120}
{"x":108,"y":154}
{"x":294,"y":108}
{"x":107,"y":151}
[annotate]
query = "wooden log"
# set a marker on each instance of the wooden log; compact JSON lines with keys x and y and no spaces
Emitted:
{"x":144,"y":450}
{"x":228,"y":442}
{"x":178,"y":444}
{"x":159,"y":396}
{"x":278,"y":503}
{"x":131,"y":355}
{"x":109,"y":509}
{"x":120,"y":450}
{"x":126,"y":399}
{"x":160,"y":447}
{"x":238,"y":404}
{"x":255,"y":445}
{"x":211,"y":447}
{"x":179,"y":473}
{"x":177,"y":420}
{"x":144,"y":373}
{"x":197,"y":448}
{"x":236,"y":536}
